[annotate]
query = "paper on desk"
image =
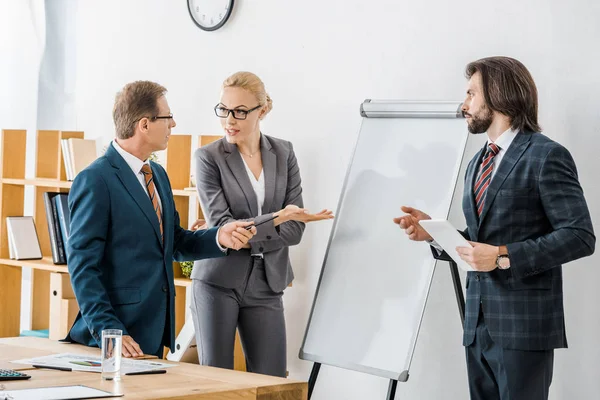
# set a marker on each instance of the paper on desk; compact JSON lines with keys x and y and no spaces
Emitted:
{"x":448,"y":237}
{"x":58,"y":393}
{"x":79,"y":362}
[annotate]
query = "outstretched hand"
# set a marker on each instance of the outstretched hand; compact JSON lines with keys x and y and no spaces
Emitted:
{"x":410,"y":224}
{"x":294,"y":213}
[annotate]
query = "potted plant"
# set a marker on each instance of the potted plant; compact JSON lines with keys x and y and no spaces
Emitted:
{"x":186,"y":268}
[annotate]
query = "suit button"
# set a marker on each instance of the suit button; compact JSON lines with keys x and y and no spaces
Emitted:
{"x":269,"y":237}
{"x":261,"y":249}
{"x":164,"y":289}
{"x":477,"y":277}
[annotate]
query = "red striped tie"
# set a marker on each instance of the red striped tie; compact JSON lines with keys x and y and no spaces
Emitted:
{"x":152,"y":193}
{"x":485,"y":176}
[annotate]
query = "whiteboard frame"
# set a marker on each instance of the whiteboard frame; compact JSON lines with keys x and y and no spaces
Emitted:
{"x":388,"y":109}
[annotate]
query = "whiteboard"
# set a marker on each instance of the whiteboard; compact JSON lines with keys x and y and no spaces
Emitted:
{"x":374,"y":281}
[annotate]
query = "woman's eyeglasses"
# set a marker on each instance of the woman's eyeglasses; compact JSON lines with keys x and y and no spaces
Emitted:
{"x":223,"y":112}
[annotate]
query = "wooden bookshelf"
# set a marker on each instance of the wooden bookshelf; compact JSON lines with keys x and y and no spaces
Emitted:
{"x":12,"y":166}
{"x":50,"y":176}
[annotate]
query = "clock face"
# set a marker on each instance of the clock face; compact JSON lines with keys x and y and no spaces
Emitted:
{"x":210,"y":15}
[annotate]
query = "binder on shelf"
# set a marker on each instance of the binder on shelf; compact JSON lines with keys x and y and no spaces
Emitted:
{"x":56,"y":241}
{"x":64,"y":216}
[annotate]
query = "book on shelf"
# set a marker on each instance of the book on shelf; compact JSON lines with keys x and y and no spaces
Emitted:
{"x":64,"y":145}
{"x":77,"y":155}
{"x":56,"y":240}
{"x":64,"y":216}
{"x":23,"y":241}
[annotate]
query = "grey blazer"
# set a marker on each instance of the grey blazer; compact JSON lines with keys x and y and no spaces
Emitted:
{"x":226,"y":194}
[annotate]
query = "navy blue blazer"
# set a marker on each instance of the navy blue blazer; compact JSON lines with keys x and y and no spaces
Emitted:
{"x":121,"y":272}
{"x":535,"y":206}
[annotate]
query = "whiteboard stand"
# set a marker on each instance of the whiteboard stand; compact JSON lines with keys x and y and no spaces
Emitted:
{"x":382,"y":321}
{"x":460,"y":300}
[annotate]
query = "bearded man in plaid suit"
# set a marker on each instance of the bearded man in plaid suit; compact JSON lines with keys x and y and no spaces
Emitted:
{"x":526,"y":216}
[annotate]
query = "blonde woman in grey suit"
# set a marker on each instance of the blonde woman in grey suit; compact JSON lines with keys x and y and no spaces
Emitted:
{"x":250,"y":176}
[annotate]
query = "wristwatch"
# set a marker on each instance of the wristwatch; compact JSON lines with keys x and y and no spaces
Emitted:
{"x":503,"y":261}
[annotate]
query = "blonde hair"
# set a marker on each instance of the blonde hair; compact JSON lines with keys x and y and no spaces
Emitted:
{"x":253,"y":84}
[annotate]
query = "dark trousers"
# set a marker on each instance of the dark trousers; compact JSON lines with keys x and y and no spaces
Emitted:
{"x":496,"y":373}
{"x":254,"y":309}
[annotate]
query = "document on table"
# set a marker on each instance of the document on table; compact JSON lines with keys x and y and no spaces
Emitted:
{"x":57,"y":393}
{"x":80,"y":362}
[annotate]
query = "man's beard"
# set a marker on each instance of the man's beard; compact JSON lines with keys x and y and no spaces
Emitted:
{"x":481,"y":123}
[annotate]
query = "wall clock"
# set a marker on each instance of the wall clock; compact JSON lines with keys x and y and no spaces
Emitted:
{"x":210,"y":15}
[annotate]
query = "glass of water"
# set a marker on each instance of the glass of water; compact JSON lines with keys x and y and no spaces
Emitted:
{"x":112,"y":342}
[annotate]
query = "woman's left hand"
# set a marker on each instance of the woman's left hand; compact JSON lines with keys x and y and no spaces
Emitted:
{"x":294,"y":213}
{"x":321,"y":215}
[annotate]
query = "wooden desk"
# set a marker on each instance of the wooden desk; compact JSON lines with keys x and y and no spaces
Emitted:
{"x":186,"y":381}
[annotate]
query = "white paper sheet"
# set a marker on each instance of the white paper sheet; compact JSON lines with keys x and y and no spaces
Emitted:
{"x":79,"y":362}
{"x":57,"y":393}
{"x":448,"y":237}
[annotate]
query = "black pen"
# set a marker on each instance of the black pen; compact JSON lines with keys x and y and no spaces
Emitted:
{"x":261,"y":222}
{"x":53,"y":367}
{"x":149,"y":372}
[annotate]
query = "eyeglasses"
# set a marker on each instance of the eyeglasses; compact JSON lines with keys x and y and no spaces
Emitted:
{"x":170,"y":116}
{"x":223,"y":112}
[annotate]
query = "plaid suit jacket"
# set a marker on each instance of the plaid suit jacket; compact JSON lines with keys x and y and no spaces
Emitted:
{"x":535,"y":206}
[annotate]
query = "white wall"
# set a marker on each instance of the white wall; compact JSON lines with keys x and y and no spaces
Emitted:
{"x":319,"y":60}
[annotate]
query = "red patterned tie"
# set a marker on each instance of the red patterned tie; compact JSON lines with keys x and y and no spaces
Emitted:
{"x":485,"y":176}
{"x":152,"y":193}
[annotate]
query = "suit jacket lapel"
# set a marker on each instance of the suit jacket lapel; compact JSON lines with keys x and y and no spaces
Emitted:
{"x":510,"y":159}
{"x":130,"y":182}
{"x":236,"y":165}
{"x":269,"y":161}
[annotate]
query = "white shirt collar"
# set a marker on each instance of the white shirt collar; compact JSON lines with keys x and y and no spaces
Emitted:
{"x":505,"y":139}
{"x":134,"y":163}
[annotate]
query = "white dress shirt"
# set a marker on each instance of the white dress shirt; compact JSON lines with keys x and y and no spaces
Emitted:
{"x":259,"y":189}
{"x":258,"y":185}
{"x":503,"y":142}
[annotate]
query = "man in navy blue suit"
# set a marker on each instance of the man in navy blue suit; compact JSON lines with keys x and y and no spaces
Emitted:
{"x":526,"y":216}
{"x":125,"y":232}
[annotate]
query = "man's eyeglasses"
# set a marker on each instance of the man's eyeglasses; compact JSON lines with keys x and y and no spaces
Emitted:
{"x":170,"y":116}
{"x":223,"y":112}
